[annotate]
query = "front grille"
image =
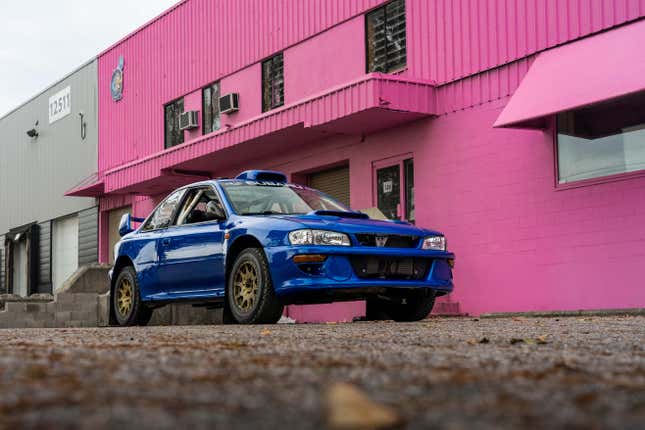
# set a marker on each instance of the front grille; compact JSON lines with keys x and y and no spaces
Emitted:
{"x":371,"y":267}
{"x":387,"y":240}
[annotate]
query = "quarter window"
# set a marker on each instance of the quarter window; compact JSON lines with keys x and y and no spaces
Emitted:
{"x":602,"y":140}
{"x":173,"y":135}
{"x":163,"y":215}
{"x":272,"y":83}
{"x":386,"y":38}
{"x":210,"y":107}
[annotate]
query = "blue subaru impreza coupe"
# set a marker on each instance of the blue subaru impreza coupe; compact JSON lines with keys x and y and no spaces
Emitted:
{"x":256,"y":243}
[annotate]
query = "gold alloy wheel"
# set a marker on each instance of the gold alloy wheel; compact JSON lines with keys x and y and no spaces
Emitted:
{"x":124,"y":295}
{"x":245,"y":287}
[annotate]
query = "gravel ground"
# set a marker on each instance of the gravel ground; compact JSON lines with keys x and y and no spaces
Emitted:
{"x":586,"y":373}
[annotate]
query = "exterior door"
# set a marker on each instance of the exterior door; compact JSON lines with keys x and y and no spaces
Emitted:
{"x":20,"y":268}
{"x":191,"y":251}
{"x":64,"y":250}
{"x":394,"y":188}
{"x":333,"y":182}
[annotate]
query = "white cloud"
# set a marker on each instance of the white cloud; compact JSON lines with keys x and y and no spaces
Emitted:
{"x":43,"y":40}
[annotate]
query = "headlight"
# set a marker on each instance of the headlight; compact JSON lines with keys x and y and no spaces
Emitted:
{"x":318,"y":237}
{"x":437,"y":243}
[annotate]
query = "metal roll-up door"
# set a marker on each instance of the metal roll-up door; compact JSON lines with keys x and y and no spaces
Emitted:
{"x":334,"y":182}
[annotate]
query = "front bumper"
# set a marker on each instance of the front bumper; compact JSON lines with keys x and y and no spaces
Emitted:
{"x":338,"y":273}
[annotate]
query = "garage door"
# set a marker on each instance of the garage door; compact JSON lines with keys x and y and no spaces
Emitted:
{"x":64,"y":250}
{"x":334,"y":182}
{"x":114,"y":218}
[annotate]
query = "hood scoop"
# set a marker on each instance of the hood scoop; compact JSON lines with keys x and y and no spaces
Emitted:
{"x":340,"y":214}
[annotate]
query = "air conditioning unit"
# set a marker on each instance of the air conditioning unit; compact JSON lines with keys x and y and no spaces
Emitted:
{"x":229,"y":103}
{"x":189,"y":120}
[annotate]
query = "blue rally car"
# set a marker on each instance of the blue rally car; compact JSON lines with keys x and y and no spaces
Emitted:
{"x":256,"y":243}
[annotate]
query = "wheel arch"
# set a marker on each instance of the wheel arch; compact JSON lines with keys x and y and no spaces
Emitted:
{"x":119,"y":264}
{"x":240,"y":244}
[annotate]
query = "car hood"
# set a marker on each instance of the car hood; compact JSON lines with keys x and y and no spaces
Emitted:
{"x":354,"y":225}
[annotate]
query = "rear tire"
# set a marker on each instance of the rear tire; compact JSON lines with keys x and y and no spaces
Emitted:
{"x":408,"y":308}
{"x":249,"y":291}
{"x":127,"y":307}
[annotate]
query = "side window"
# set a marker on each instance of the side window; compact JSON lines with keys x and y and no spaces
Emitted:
{"x":162,"y":217}
{"x":200,"y":205}
{"x":272,"y":83}
{"x":395,"y":190}
{"x":172,"y":134}
{"x":386,"y":38}
{"x":210,"y":107}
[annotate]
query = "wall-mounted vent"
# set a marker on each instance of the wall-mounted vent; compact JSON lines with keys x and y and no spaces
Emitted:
{"x":189,"y":120}
{"x":229,"y":103}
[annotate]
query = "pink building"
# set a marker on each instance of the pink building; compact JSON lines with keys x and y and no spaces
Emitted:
{"x":517,"y":127}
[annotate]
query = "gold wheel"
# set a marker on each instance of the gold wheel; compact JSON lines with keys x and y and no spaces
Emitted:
{"x":124,"y":297}
{"x":246,"y":287}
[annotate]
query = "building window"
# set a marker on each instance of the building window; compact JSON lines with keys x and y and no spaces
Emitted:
{"x":386,"y":38}
{"x":395,"y":189}
{"x":173,"y":135}
{"x":272,"y":83}
{"x":602,"y":140}
{"x":210,"y":108}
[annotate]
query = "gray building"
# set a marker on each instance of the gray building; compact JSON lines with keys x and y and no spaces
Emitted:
{"x":48,"y":145}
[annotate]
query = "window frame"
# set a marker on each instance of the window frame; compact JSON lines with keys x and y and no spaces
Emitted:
{"x":187,"y":191}
{"x":270,"y":59}
{"x":154,"y":211}
{"x":400,"y":161}
{"x":367,"y":43}
{"x":552,"y":126}
{"x":165,"y":124}
{"x":219,"y":113}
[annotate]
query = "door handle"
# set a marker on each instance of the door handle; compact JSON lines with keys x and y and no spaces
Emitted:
{"x":165,"y":242}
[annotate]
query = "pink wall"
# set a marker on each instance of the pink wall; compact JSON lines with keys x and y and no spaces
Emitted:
{"x":201,"y":41}
{"x":491,"y":191}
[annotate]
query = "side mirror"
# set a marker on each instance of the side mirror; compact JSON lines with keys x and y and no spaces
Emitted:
{"x":125,"y":226}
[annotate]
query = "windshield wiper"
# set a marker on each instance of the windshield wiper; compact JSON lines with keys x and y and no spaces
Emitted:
{"x":265,"y":213}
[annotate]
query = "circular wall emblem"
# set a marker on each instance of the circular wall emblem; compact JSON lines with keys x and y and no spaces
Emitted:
{"x":116,"y":84}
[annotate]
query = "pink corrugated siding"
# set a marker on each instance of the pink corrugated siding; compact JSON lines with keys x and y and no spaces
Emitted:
{"x":201,"y":41}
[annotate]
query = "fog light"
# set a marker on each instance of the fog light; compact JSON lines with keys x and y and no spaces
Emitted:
{"x":309,"y":258}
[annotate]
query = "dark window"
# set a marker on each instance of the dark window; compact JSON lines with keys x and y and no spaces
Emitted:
{"x":195,"y":208}
{"x":165,"y":212}
{"x":272,"y":83}
{"x":395,"y":190}
{"x":408,"y":167}
{"x":210,"y":107}
{"x":386,"y":38}
{"x":601,"y":140}
{"x":388,"y":191}
{"x":173,"y":135}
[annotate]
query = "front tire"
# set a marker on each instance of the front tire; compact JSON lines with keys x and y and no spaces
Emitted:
{"x":127,"y":306}
{"x":407,"y":308}
{"x":249,"y":292}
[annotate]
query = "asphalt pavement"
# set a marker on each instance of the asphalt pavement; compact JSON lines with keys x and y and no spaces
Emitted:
{"x":448,"y":373}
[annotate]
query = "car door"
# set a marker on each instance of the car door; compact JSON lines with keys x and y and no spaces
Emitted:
{"x":191,"y":251}
{"x":148,"y":239}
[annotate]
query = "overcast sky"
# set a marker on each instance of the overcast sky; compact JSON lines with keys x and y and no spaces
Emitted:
{"x":43,"y":40}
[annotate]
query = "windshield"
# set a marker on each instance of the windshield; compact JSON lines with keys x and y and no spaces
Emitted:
{"x":250,"y":198}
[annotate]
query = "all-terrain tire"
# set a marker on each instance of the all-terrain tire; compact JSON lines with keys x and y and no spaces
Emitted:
{"x":138,"y":313}
{"x":266,"y":307}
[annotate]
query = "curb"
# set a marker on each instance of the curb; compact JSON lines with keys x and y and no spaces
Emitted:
{"x":580,"y":313}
